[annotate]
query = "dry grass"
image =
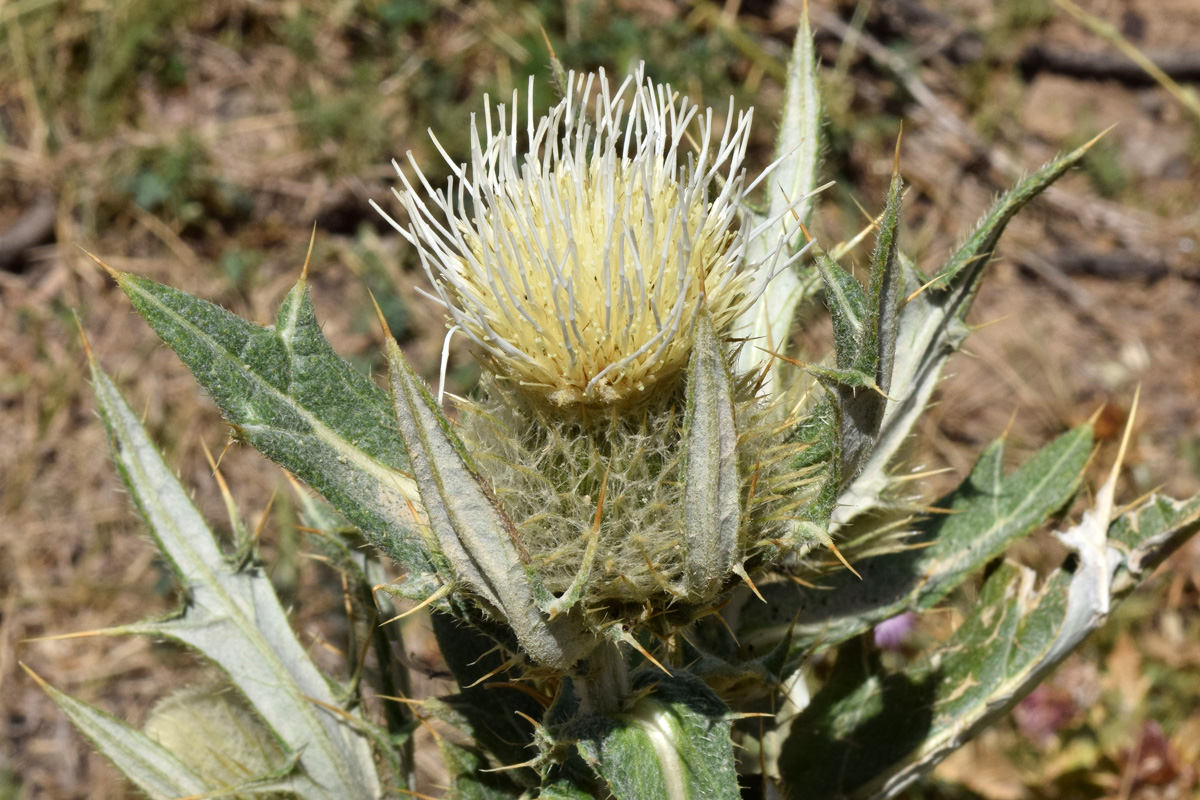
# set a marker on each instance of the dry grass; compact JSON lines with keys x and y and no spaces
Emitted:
{"x":197,"y":145}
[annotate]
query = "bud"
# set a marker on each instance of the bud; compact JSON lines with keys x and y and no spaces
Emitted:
{"x":215,"y":732}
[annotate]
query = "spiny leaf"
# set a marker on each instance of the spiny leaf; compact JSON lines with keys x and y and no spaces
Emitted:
{"x":869,"y":735}
{"x":234,"y":618}
{"x":977,"y":250}
{"x":931,"y":326}
{"x":156,"y":770}
{"x":217,"y":734}
{"x":837,"y":380}
{"x":799,"y":142}
{"x":865,"y":327}
{"x":493,"y":716}
{"x":741,"y":683}
{"x":884,"y":287}
{"x":1149,"y":534}
{"x":493,"y":726}
{"x":564,"y":789}
{"x":819,"y":431}
{"x":294,"y":399}
{"x":343,"y":549}
{"x":982,"y":517}
{"x":847,"y":304}
{"x":468,"y":781}
{"x":767,"y":324}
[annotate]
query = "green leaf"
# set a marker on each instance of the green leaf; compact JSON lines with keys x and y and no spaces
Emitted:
{"x":869,"y":734}
{"x":712,"y":486}
{"x":234,"y":618}
{"x":741,"y":683}
{"x":293,"y":398}
{"x":489,"y":717}
{"x":572,"y":779}
{"x":981,"y":518}
{"x":931,"y":326}
{"x":865,"y":329}
{"x":468,"y":652}
{"x":847,"y":304}
{"x":564,"y":789}
{"x":343,"y":548}
{"x":972,"y":257}
{"x":214,"y":731}
{"x":492,"y":716}
{"x":768,"y":323}
{"x":468,"y":781}
{"x":884,"y":287}
{"x":799,"y":142}
{"x":474,"y":536}
{"x":1148,"y":535}
{"x":673,"y":744}
{"x":818,"y":460}
{"x":155,"y":770}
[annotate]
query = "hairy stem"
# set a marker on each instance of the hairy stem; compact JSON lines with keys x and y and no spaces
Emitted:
{"x":606,"y":683}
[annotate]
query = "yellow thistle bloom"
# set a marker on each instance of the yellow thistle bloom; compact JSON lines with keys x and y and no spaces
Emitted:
{"x":578,"y":252}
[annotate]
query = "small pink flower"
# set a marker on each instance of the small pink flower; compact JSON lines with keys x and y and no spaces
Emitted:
{"x":892,"y":633}
{"x":1046,"y":711}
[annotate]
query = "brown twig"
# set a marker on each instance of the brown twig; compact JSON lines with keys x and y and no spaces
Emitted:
{"x":931,"y":31}
{"x":1117,"y":265}
{"x":1181,"y":65}
{"x":1058,"y":280}
{"x":34,"y":227}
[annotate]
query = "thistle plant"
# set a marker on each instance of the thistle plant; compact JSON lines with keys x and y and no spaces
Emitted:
{"x":648,"y":518}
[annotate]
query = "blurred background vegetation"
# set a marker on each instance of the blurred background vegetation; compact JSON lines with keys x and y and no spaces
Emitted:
{"x":199,"y":143}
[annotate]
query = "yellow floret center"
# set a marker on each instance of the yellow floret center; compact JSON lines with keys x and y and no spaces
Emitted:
{"x":596,"y":282}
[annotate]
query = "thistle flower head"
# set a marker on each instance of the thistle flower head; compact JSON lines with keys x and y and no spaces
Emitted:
{"x":578,"y":252}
